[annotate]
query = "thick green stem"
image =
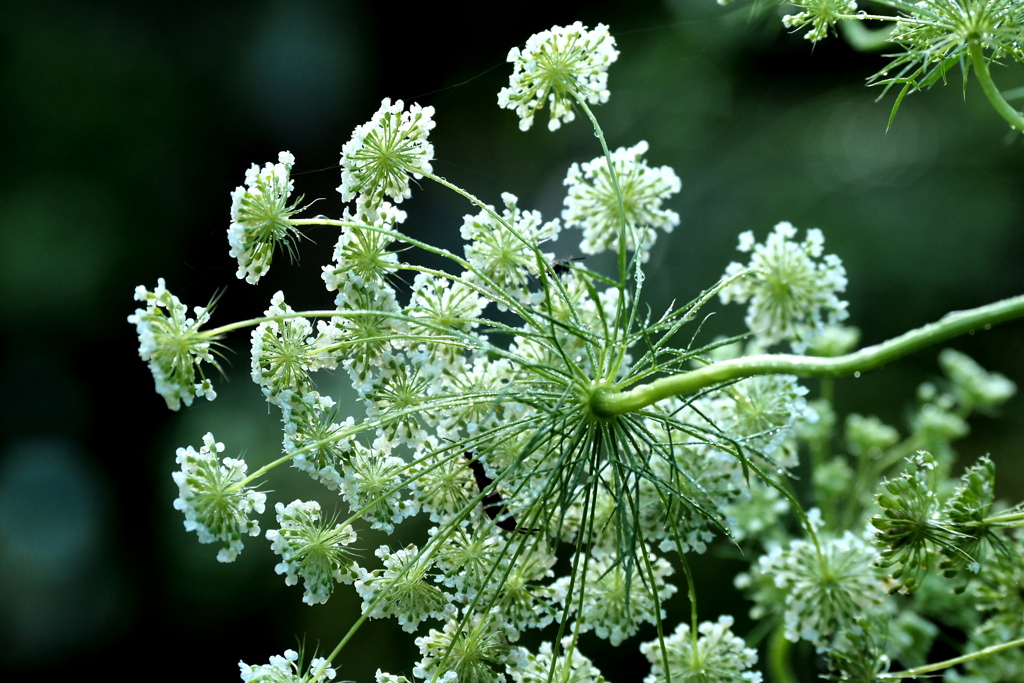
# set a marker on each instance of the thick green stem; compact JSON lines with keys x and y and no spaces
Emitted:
{"x":608,"y":403}
{"x":995,"y":97}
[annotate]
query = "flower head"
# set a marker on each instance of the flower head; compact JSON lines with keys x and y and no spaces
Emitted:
{"x":821,"y":15}
{"x":616,"y":601}
{"x":476,"y":650}
{"x":569,"y":665}
{"x":820,"y":591}
{"x":561,"y":66}
{"x":717,"y":655}
{"x":259,"y":217}
{"x":312,"y":549}
{"x":215,"y":498}
{"x":508,"y":258}
{"x":363,"y":254}
{"x":592,"y":202}
{"x":286,"y":670}
{"x":285,"y":352}
{"x":171,"y":343}
{"x":382,"y":153}
{"x":403,"y":589}
{"x":793,"y":290}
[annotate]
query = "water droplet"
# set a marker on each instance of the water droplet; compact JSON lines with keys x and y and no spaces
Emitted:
{"x":856,"y":375}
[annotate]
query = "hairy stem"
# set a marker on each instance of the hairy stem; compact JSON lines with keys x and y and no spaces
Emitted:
{"x":608,"y":402}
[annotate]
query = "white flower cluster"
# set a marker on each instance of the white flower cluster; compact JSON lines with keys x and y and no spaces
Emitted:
{"x":615,"y":603}
{"x":502,"y":250}
{"x":215,"y":498}
{"x":285,"y":669}
{"x":312,"y":550}
{"x":384,"y":152}
{"x":560,"y":67}
{"x":630,"y":205}
{"x":820,"y":15}
{"x":792,"y":289}
{"x":818,"y":587}
{"x":171,"y":343}
{"x":717,"y":655}
{"x":259,"y":217}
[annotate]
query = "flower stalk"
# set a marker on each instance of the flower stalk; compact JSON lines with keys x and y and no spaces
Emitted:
{"x":608,"y":403}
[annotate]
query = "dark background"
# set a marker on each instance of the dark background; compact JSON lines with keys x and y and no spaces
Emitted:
{"x":124,"y":127}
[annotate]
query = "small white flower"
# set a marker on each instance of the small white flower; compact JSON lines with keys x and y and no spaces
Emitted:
{"x":403,"y":589}
{"x":508,"y":258}
{"x":363,"y":254}
{"x":384,"y":152}
{"x":592,"y":204}
{"x":614,"y":604}
{"x":171,"y":343}
{"x":286,"y":670}
{"x":570,"y":665}
{"x":285,"y":352}
{"x":369,"y":483}
{"x":717,"y":655}
{"x":559,"y":67}
{"x":311,"y":549}
{"x":214,"y":498}
{"x":792,"y":289}
{"x":259,"y":217}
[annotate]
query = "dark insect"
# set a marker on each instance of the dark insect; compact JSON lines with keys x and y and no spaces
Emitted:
{"x":493,"y":505}
{"x":562,"y":265}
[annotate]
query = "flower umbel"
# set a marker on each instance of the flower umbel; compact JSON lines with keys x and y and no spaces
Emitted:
{"x":792,"y":294}
{"x":384,"y":152}
{"x":286,"y":670}
{"x":717,"y":655}
{"x":822,"y":16}
{"x":312,"y":549}
{"x":592,"y":202}
{"x":560,"y":66}
{"x":171,"y":343}
{"x":259,"y":217}
{"x":820,"y":590}
{"x":215,"y":499}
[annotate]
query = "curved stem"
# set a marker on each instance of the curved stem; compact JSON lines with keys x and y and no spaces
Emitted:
{"x":939,"y":666}
{"x":863,"y":39}
{"x":778,"y":657}
{"x":1009,"y":114}
{"x":608,"y":403}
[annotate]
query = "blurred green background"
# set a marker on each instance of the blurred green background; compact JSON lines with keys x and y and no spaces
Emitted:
{"x":124,"y":127}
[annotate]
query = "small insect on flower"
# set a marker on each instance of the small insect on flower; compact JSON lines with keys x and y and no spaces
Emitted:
{"x":494,"y":506}
{"x":564,"y":265}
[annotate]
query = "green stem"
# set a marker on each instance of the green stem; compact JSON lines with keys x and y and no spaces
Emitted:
{"x":609,"y":403}
{"x":1011,"y":115}
{"x":863,"y":39}
{"x":778,"y":657}
{"x":939,"y":666}
{"x":599,"y":133}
